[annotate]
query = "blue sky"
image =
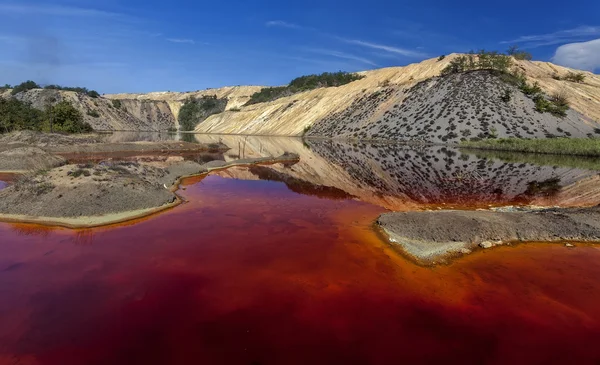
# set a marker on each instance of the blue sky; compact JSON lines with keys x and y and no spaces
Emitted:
{"x":140,"y":46}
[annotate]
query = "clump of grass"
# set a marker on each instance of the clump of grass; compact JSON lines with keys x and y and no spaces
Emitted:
{"x":575,"y":77}
{"x":77,"y":173}
{"x":557,"y":146}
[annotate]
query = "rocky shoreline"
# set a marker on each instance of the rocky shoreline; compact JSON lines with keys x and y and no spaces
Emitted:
{"x":432,"y":237}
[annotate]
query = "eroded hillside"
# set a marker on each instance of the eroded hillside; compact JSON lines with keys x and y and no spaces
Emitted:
{"x":449,"y":109}
{"x":366,"y":102}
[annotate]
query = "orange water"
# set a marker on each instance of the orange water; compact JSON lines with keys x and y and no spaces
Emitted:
{"x":249,"y":272}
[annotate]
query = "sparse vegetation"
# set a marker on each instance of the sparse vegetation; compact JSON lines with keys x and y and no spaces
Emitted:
{"x":235,"y":110}
{"x":506,"y":95}
{"x":79,"y":90}
{"x":93,"y":113}
{"x":558,"y":146}
{"x":575,"y":77}
{"x":303,"y":83}
{"x":116,"y":103}
{"x":441,"y":58}
{"x":483,"y":60}
{"x":196,"y":110}
{"x":518,"y":54}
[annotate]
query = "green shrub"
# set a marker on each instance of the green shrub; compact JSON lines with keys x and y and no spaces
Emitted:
{"x":116,"y":103}
{"x":483,"y":60}
{"x":196,"y":110}
{"x":63,"y":117}
{"x":518,"y":54}
{"x":19,"y":115}
{"x":506,"y":95}
{"x":79,"y":90}
{"x":575,"y":77}
{"x":441,"y":58}
{"x":93,"y":113}
{"x":25,"y":86}
{"x":235,"y":110}
{"x":303,"y":83}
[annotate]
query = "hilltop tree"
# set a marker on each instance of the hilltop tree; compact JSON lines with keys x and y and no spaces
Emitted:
{"x":518,"y":54}
{"x":25,"y":86}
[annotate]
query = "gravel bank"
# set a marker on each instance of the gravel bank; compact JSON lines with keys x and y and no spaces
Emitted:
{"x":431,"y":237}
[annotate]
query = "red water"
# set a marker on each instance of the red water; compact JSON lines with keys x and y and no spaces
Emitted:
{"x":249,"y":272}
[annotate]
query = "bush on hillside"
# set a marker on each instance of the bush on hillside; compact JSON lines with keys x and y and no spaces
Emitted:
{"x":24,"y":86}
{"x":304,"y":83}
{"x":483,"y":60}
{"x":575,"y":77}
{"x":64,"y":117}
{"x":79,"y":90}
{"x":518,"y":54}
{"x":18,"y":115}
{"x":116,"y":103}
{"x":196,"y":110}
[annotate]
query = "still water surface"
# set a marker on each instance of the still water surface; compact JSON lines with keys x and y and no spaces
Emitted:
{"x":280,"y":265}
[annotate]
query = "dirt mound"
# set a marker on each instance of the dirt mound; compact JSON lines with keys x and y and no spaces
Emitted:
{"x":449,"y":109}
{"x":103,"y":193}
{"x":28,"y":158}
{"x":85,"y":190}
{"x":430,"y":236}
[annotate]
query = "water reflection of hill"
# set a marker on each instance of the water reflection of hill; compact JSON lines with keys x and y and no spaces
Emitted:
{"x":407,"y":177}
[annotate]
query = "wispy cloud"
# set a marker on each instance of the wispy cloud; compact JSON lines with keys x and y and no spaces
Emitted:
{"x":181,"y":40}
{"x":283,"y":24}
{"x":55,"y":10}
{"x":563,"y":36}
{"x":342,"y":55}
{"x":391,"y":49}
{"x":382,"y":47}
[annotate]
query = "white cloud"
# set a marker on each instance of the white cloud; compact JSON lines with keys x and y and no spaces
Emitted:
{"x":383,"y":47}
{"x":181,"y":40}
{"x":54,"y":10}
{"x":563,"y":36}
{"x":282,"y":24}
{"x":582,"y":55}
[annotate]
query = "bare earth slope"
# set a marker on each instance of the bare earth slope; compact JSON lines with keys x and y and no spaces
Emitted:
{"x":366,"y":101}
{"x":448,"y":109}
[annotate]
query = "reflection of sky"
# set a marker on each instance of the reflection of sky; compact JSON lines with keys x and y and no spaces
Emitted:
{"x":3,"y":184}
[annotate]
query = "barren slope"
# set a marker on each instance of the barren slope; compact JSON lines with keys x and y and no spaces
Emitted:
{"x":449,"y":109}
{"x":292,"y":115}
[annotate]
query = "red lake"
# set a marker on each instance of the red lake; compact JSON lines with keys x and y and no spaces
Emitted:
{"x":254,"y":272}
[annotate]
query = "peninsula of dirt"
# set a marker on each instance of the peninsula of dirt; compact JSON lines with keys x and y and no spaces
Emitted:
{"x":88,"y":195}
{"x":434,"y":236}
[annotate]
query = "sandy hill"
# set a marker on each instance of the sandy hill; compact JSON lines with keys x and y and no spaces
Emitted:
{"x":365,"y":102}
{"x":400,"y":103}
